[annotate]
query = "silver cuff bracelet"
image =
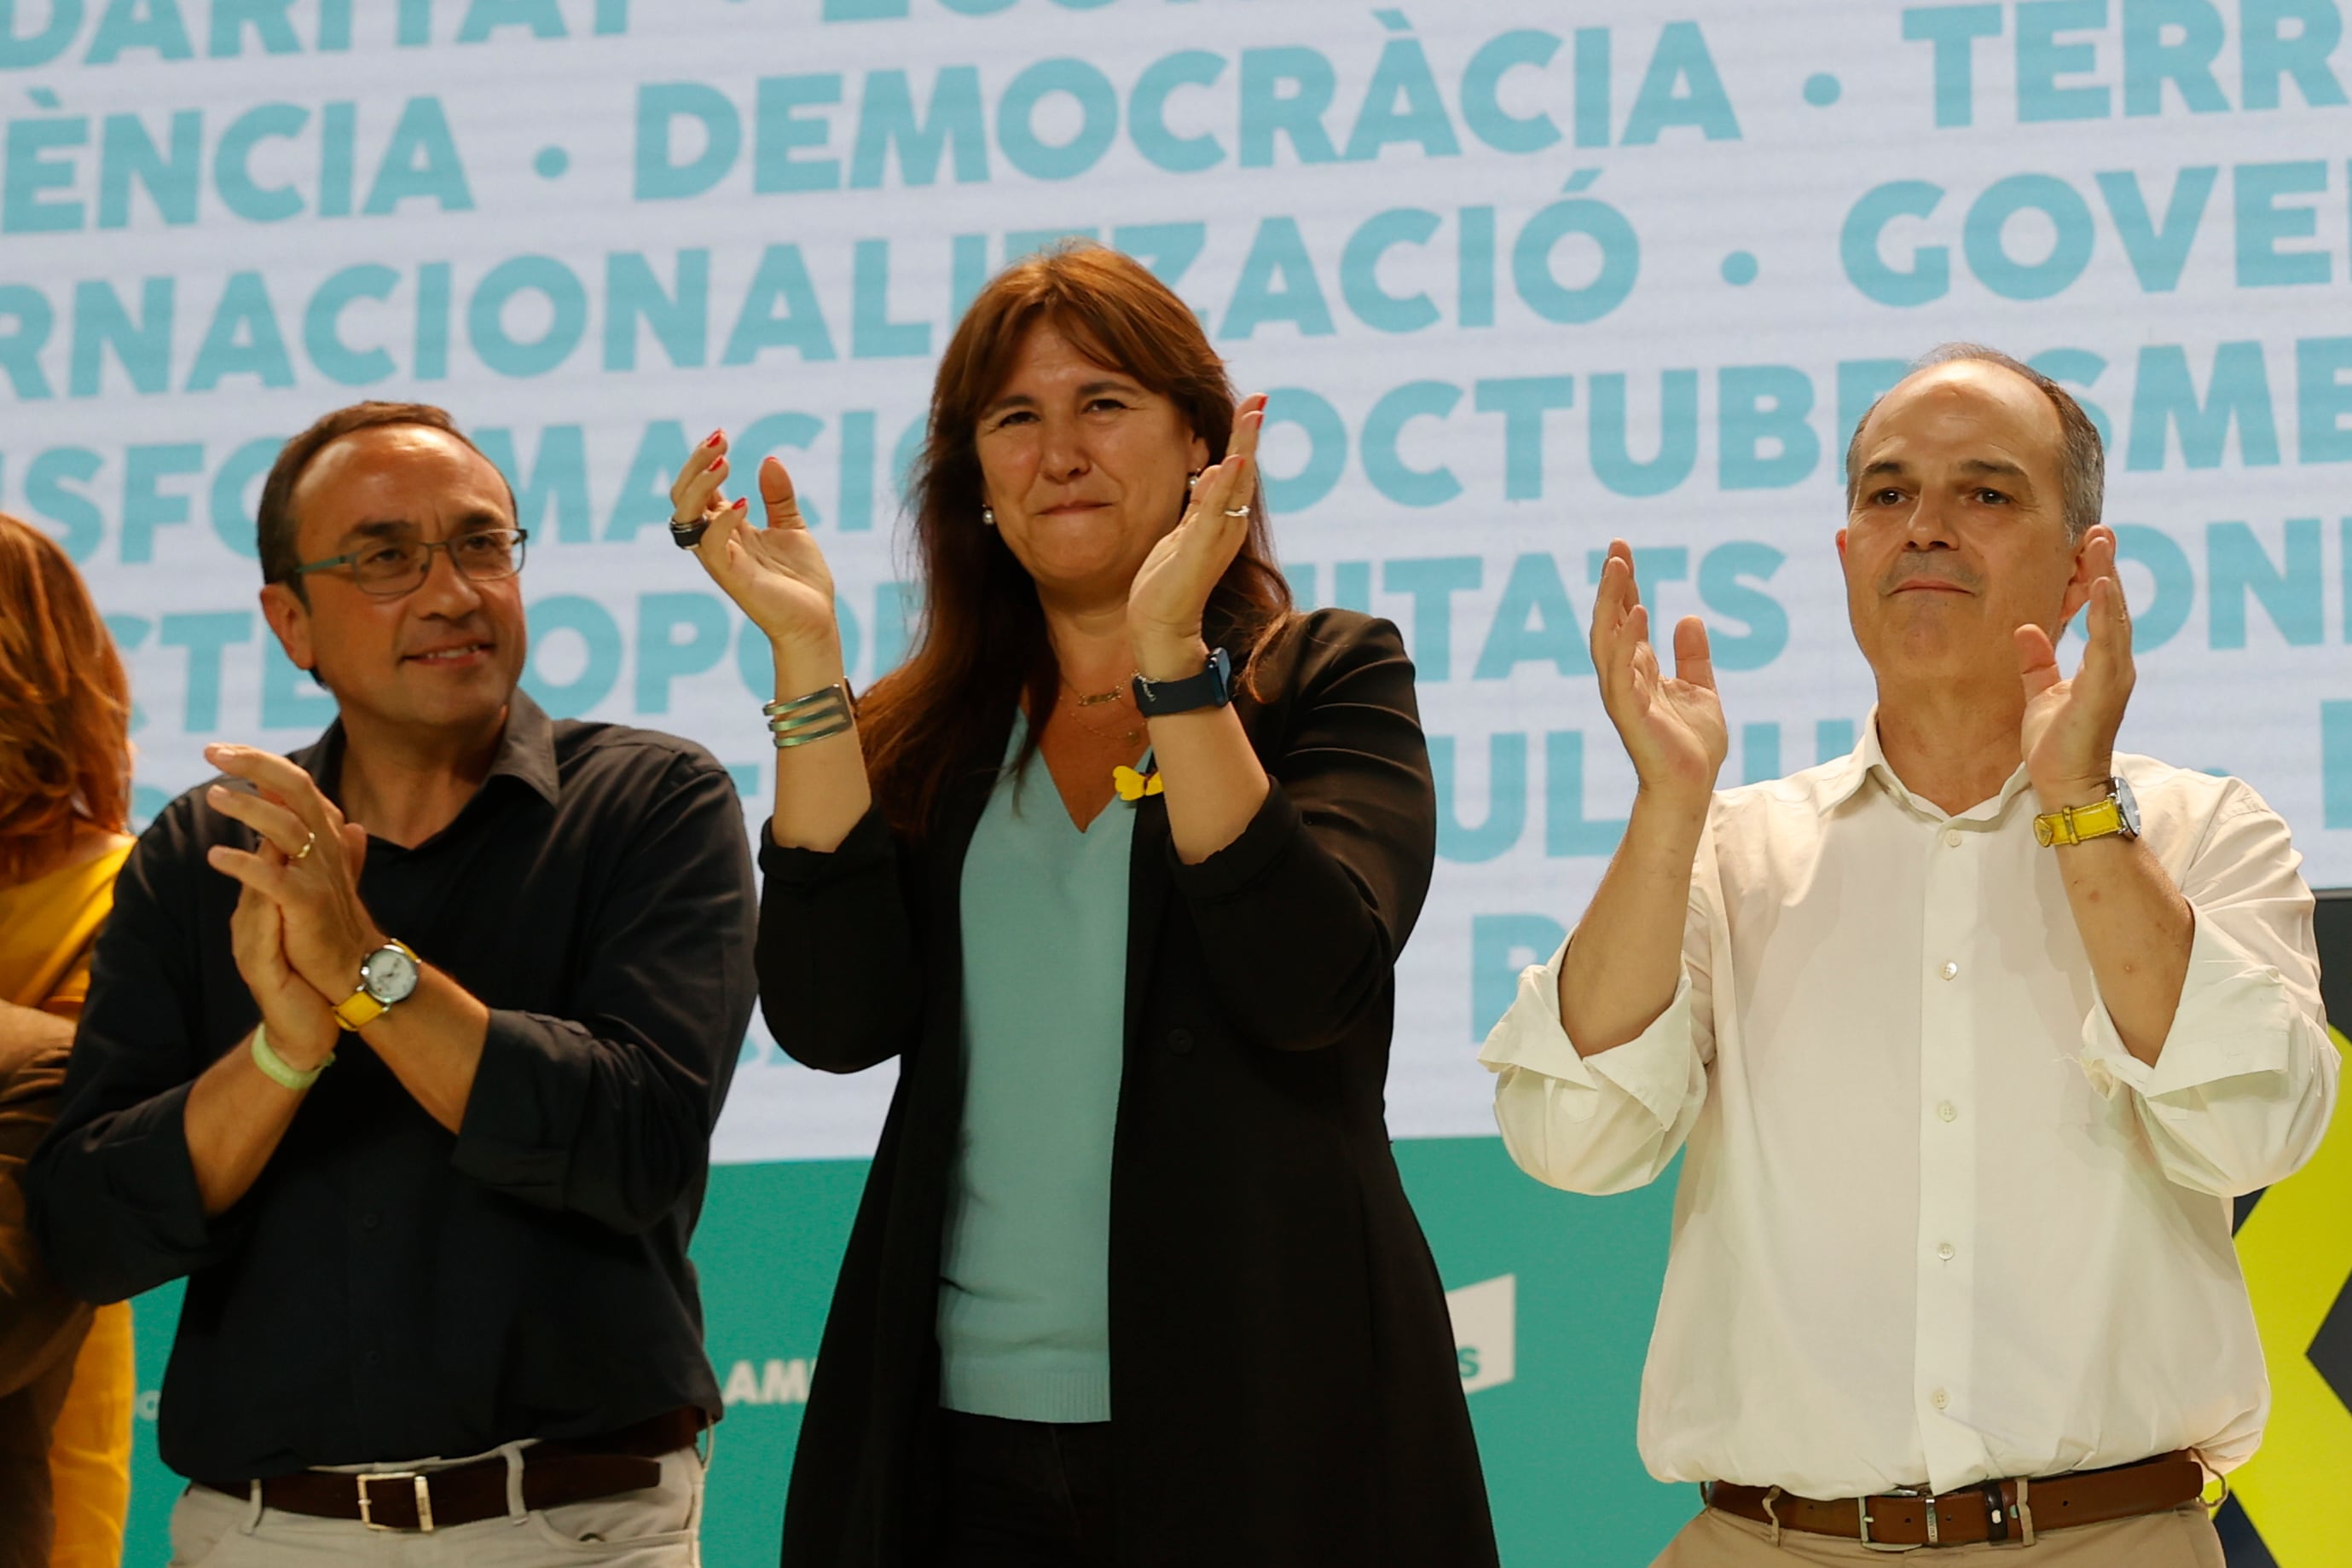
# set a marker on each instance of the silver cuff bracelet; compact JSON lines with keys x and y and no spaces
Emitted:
{"x":819,"y":715}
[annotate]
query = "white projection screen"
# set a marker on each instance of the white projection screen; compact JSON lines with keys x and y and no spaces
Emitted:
{"x":1520,"y":276}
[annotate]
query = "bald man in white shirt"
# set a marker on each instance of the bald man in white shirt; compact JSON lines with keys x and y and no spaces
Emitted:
{"x":1971,"y":1037}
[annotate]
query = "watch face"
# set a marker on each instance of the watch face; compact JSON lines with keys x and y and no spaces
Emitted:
{"x":2129,"y":805}
{"x":389,"y":975}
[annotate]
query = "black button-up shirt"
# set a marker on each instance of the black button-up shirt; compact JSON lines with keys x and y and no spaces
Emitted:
{"x":389,"y":1289}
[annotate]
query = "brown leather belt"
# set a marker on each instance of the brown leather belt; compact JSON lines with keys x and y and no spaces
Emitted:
{"x":1993,"y":1512}
{"x":553,"y":1473}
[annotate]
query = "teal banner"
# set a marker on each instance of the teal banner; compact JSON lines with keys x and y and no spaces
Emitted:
{"x":1553,"y":1293}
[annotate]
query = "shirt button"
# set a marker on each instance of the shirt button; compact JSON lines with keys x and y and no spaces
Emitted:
{"x":1939,"y":1399}
{"x":1945,"y":1252}
{"x":371,"y":1220}
{"x":1950,"y":969}
{"x":1947,"y":1112}
{"x":1952,"y":838}
{"x":1179,"y":1040}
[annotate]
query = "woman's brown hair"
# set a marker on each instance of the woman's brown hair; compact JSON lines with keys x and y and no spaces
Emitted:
{"x":981,"y":644}
{"x":65,"y":703}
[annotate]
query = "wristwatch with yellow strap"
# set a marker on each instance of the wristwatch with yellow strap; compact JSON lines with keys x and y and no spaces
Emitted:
{"x":387,"y":977}
{"x":2119,"y":813}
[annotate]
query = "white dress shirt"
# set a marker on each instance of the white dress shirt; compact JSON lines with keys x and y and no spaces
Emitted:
{"x":1935,"y":1224}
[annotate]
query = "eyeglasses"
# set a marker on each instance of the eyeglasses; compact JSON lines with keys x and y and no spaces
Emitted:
{"x":392,"y":568}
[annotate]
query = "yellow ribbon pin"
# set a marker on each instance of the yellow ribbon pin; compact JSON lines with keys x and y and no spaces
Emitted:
{"x":1134,"y":786}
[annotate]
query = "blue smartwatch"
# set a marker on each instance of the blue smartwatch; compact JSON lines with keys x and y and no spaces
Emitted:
{"x":1213,"y":688}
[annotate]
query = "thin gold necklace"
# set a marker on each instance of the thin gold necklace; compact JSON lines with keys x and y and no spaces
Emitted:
{"x":1078,"y":703}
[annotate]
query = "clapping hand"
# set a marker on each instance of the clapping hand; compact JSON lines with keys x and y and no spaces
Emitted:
{"x":1672,"y":728}
{"x":307,"y":864}
{"x":300,"y":930}
{"x":1172,"y":589}
{"x":302,"y":1028}
{"x":2068,"y":734}
{"x":776,"y":574}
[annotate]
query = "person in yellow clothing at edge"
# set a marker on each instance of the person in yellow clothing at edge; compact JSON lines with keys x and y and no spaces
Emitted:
{"x":66,"y":1381}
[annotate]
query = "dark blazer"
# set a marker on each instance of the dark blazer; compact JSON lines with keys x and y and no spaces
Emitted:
{"x":1283,"y":1381}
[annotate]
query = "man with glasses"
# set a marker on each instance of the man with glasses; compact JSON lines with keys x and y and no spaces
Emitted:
{"x":441,"y":1291}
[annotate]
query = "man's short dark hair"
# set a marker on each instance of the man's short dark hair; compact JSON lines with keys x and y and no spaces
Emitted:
{"x":2082,"y":456}
{"x":275,"y":524}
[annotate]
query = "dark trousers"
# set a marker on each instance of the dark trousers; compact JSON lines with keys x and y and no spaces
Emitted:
{"x":1025,"y":1494}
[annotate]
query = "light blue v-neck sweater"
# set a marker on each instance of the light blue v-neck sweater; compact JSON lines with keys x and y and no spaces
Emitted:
{"x":1024,"y":1311}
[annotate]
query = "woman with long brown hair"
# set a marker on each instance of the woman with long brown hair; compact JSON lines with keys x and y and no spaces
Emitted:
{"x":65,"y":1374}
{"x":1117,"y":865}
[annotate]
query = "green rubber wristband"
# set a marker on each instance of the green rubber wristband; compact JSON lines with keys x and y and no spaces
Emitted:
{"x":277,"y":1070}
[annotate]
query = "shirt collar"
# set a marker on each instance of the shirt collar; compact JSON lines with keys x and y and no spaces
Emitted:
{"x":527,"y":749}
{"x":1866,"y":761}
{"x":1838,"y":785}
{"x":526,"y":752}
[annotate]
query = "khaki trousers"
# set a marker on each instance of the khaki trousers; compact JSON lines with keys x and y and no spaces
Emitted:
{"x":655,"y":1527}
{"x":2182,"y":1538}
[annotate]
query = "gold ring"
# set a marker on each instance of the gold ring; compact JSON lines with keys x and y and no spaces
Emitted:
{"x":303,"y":853}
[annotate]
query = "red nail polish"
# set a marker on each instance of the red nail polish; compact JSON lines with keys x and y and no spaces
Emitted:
{"x":743,"y":502}
{"x":716,"y":464}
{"x":714,"y":438}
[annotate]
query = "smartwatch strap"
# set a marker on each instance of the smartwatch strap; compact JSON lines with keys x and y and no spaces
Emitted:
{"x":1213,"y":688}
{"x":2073,"y":824}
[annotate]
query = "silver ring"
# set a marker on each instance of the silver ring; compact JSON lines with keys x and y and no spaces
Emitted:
{"x":303,"y":853}
{"x":1240,"y":511}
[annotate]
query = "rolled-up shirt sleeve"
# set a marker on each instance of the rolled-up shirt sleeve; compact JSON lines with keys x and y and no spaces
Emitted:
{"x":2240,"y":1095}
{"x":1613,"y":1121}
{"x":609,"y":1112}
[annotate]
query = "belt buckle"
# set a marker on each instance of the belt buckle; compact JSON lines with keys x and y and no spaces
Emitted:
{"x":1862,"y":1512}
{"x":424,"y":1498}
